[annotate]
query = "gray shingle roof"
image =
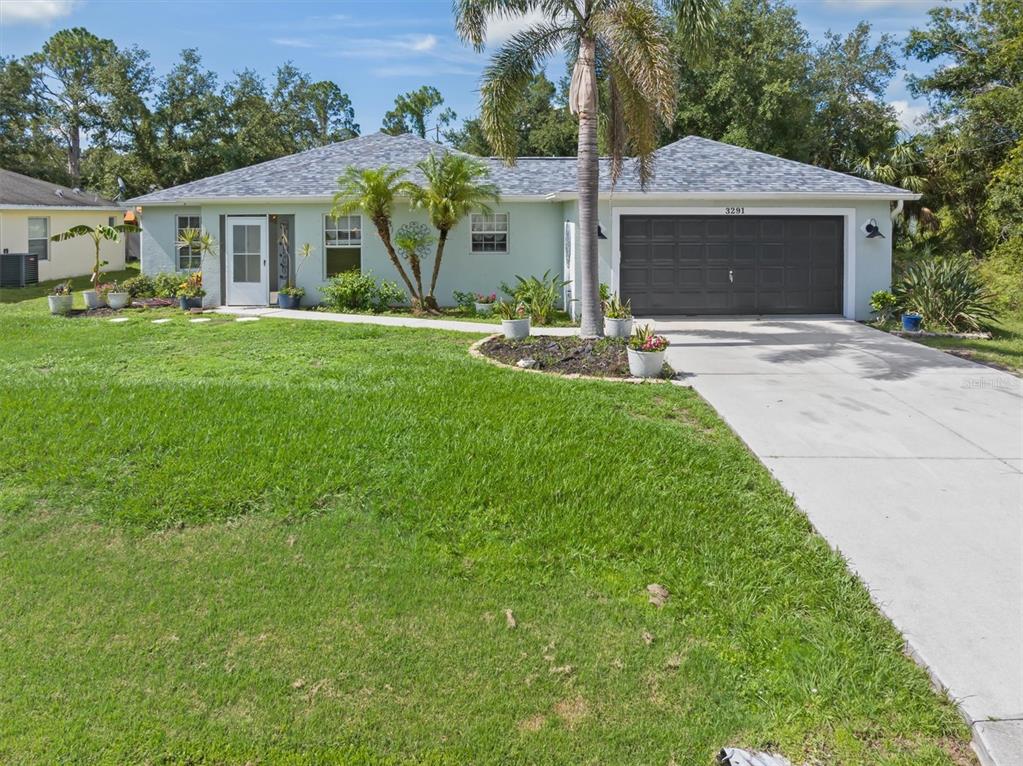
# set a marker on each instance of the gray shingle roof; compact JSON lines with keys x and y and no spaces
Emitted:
{"x":689,"y":166}
{"x":16,"y":189}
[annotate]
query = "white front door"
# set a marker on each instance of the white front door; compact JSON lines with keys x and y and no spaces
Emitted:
{"x":248,"y":278}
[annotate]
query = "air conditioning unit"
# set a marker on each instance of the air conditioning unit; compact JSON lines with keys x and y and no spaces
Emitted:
{"x":18,"y":269}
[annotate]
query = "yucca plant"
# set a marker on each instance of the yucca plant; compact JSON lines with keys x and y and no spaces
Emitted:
{"x":948,"y":293}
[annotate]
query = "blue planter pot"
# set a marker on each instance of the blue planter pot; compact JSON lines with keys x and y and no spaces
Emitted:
{"x":911,"y":322}
{"x":288,"y":301}
{"x":190,"y":303}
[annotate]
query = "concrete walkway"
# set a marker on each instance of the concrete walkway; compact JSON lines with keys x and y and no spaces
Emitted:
{"x":908,"y":461}
{"x":389,"y":321}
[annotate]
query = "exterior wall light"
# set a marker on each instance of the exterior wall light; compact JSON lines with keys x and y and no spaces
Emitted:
{"x":872,"y":230}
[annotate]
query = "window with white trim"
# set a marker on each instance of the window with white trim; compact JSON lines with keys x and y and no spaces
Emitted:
{"x":189,"y":257}
{"x":342,"y":244}
{"x":489,"y":232}
{"x":39,"y":238}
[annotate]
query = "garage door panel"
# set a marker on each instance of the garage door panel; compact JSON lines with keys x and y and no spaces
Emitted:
{"x":731,"y":264}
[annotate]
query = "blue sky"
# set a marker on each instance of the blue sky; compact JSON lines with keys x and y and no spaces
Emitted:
{"x":373,"y":50}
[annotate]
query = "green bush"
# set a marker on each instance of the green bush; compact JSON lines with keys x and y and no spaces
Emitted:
{"x":359,"y":291}
{"x":948,"y":293}
{"x":465,"y":301}
{"x":884,"y":304}
{"x":1002,"y":272}
{"x":166,"y":284}
{"x":540,"y":295}
{"x":139,"y":286}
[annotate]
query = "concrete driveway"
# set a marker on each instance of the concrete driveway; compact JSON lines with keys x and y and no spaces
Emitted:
{"x":907,"y":460}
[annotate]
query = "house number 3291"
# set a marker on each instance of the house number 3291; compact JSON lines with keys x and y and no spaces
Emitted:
{"x":734,"y":210}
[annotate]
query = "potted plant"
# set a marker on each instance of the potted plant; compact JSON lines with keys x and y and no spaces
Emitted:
{"x":514,"y":320}
{"x":98,"y":234}
{"x":290,"y":296}
{"x":190,"y":292}
{"x":617,"y":318}
{"x":484,"y":304}
{"x":61,"y":298}
{"x":646,"y":353}
{"x":911,"y":321}
{"x":116,"y":296}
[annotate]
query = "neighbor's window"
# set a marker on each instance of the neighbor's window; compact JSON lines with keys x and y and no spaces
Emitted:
{"x":342,"y":243}
{"x":39,"y":238}
{"x":489,"y":232}
{"x":189,"y":258}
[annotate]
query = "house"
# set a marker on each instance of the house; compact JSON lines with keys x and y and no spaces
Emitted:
{"x":31,"y":211}
{"x":719,"y":229}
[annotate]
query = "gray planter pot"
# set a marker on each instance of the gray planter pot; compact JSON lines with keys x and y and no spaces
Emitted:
{"x":60,"y":304}
{"x":617,"y":328}
{"x":92,"y":299}
{"x":645,"y":364}
{"x":515,"y":329}
{"x":484,"y":309}
{"x":118,"y":301}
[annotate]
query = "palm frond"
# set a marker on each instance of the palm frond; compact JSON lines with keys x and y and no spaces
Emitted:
{"x":506,"y":77}
{"x":641,"y":119}
{"x":473,"y":16}
{"x":695,"y":20}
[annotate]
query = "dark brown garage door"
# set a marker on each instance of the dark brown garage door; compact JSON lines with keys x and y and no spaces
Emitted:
{"x":731,"y":264}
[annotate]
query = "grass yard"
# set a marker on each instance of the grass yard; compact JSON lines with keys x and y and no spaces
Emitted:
{"x":295,"y":542}
{"x":1005,"y":349}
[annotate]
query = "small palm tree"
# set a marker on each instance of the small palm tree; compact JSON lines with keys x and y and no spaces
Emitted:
{"x":629,"y":42}
{"x":373,"y":191}
{"x":197,"y":241}
{"x":456,"y":184}
{"x":99,"y":234}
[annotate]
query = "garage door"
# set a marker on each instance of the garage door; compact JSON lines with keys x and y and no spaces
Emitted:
{"x":731,"y":264}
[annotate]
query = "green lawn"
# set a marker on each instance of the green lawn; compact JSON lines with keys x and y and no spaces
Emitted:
{"x":294,"y":542}
{"x":1005,"y":349}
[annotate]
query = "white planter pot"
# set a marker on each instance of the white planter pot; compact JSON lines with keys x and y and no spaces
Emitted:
{"x":60,"y":304}
{"x":92,"y":299}
{"x":645,"y":364}
{"x":617,"y":328}
{"x":515,"y":329}
{"x":118,"y":301}
{"x":484,"y":309}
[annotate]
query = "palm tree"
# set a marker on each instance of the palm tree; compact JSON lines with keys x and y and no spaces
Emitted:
{"x":629,"y":42}
{"x":373,"y":190}
{"x":99,"y":234}
{"x":455,"y":186}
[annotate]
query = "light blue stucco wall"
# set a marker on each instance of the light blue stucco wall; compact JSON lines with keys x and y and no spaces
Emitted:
{"x":536,"y":242}
{"x":535,"y":246}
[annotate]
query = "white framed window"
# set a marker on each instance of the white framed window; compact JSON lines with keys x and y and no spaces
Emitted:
{"x":189,"y":258}
{"x":489,"y":232}
{"x":39,"y":238}
{"x":342,"y":244}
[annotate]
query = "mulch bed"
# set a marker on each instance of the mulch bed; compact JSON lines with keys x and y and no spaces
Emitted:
{"x":568,"y":355}
{"x":106,"y":311}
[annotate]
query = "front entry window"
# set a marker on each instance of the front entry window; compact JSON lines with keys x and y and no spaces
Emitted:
{"x":247,"y":253}
{"x":342,"y":243}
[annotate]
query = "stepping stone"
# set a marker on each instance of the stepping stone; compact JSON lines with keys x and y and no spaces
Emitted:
{"x":199,"y":319}
{"x":161,"y":321}
{"x":247,"y":319}
{"x":120,"y":319}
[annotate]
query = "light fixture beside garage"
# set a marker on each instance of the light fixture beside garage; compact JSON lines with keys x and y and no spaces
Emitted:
{"x":872,"y":229}
{"x":600,"y":232}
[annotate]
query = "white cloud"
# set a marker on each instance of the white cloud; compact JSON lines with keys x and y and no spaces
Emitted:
{"x":423,"y":43}
{"x":909,"y":114}
{"x":501,"y":28}
{"x":294,"y":42}
{"x":34,"y":11}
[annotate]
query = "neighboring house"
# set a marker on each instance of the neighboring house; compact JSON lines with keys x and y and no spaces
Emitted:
{"x":32,"y":211}
{"x":719,"y":229}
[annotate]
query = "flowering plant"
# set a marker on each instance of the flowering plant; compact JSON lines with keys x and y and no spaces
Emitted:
{"x":106,"y":287}
{"x":486,"y":299}
{"x":62,"y":288}
{"x":645,"y":340}
{"x":615,"y":308}
{"x":192,"y":286}
{"x":511,"y":311}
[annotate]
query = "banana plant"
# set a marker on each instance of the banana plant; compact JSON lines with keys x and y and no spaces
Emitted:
{"x":98,"y":234}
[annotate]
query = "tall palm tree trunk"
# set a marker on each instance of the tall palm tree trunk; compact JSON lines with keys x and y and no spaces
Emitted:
{"x":584,"y":104}
{"x":385,"y":236}
{"x":442,"y":239}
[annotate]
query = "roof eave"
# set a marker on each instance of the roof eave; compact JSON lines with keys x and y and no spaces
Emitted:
{"x":725,"y":196}
{"x":66,"y":208}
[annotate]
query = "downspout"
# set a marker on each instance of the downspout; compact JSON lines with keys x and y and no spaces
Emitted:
{"x":897,"y":210}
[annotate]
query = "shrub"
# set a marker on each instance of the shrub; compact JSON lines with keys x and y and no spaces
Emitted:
{"x":191,"y":287}
{"x":614,"y":308}
{"x":359,"y":291}
{"x":511,"y":311}
{"x":884,"y":304}
{"x":166,"y":284}
{"x":465,"y":301}
{"x":948,"y":293}
{"x":139,"y":286}
{"x":540,"y":295}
